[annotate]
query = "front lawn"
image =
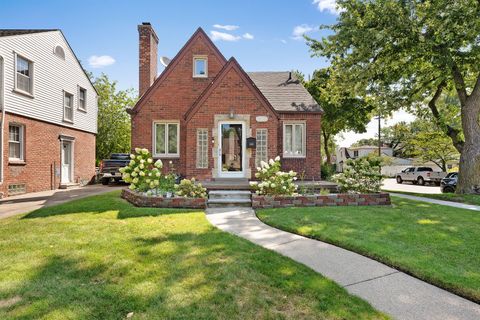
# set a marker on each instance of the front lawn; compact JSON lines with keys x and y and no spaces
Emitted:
{"x":101,"y":258}
{"x":436,"y":243}
{"x":462,"y":198}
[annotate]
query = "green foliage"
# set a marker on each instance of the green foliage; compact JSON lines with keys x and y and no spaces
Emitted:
{"x":142,"y":173}
{"x":361,"y":175}
{"x":113,"y":120}
{"x":190,"y":189}
{"x":327,"y":170}
{"x":273,"y":181}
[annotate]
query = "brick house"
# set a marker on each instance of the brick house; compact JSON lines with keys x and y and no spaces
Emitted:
{"x":48,"y":119}
{"x":202,"y":114}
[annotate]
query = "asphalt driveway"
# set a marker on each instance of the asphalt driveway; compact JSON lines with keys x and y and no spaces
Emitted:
{"x":32,"y":201}
{"x":392,"y":185}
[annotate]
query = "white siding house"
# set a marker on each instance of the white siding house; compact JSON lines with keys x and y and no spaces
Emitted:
{"x":44,"y":88}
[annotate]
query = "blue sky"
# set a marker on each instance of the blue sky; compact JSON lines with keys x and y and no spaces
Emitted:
{"x":265,"y":35}
{"x":109,"y":28}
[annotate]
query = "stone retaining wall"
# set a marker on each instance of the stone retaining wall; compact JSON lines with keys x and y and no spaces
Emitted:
{"x":160,"y":202}
{"x":340,"y":199}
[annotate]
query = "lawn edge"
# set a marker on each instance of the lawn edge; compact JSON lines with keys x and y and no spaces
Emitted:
{"x":428,"y":196}
{"x":380,"y":260}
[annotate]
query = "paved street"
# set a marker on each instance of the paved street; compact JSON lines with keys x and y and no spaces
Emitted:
{"x":32,"y":201}
{"x":392,"y":185}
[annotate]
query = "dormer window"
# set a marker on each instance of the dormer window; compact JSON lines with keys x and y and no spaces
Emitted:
{"x":59,"y":52}
{"x":200,"y":67}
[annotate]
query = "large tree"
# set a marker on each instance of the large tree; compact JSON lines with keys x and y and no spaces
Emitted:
{"x":409,"y":53}
{"x":343,"y":113}
{"x":113,"y":120}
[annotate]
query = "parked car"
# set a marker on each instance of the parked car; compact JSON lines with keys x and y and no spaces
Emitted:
{"x":449,"y":183}
{"x":420,"y":175}
{"x":110,"y":168}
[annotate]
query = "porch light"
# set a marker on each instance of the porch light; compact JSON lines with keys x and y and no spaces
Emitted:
{"x":231,"y":115}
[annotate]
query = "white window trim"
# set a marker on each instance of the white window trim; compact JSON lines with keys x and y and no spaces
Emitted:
{"x":22,"y":142}
{"x":65,"y":119}
{"x":195,"y":75}
{"x":304,"y":133}
{"x":154,"y":135}
{"x":32,"y":75}
{"x":198,"y":151}
{"x":78,"y":100}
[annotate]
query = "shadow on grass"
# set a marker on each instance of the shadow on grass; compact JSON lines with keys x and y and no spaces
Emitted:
{"x":102,"y":204}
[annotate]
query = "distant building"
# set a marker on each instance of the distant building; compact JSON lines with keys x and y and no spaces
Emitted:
{"x":343,"y":154}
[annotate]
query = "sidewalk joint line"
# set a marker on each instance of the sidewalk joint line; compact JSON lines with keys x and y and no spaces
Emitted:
{"x":374,"y":278}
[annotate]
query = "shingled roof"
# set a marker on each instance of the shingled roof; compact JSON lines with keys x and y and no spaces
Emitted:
{"x":284,"y":94}
{"x":16,"y":32}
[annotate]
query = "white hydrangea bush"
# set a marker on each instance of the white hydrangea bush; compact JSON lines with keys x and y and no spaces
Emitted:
{"x":360,"y":176}
{"x":142,"y":172}
{"x":190,"y":189}
{"x":273,"y":181}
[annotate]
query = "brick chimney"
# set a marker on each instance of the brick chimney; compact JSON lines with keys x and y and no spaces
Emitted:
{"x":148,"y":56}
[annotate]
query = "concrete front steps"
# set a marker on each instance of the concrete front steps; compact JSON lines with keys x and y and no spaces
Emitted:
{"x":229,"y":198}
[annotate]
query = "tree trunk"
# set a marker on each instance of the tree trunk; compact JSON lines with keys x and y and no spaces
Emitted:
{"x":469,"y":173}
{"x":326,"y":140}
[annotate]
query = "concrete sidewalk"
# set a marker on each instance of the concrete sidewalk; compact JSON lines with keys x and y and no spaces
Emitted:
{"x":32,"y":201}
{"x":435,"y":201}
{"x":387,"y":289}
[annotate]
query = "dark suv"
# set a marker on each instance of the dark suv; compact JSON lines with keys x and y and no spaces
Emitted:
{"x":449,"y":183}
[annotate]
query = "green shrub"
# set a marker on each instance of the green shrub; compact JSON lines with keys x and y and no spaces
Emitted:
{"x":360,"y":176}
{"x":142,"y":173}
{"x":327,"y":170}
{"x":273,"y":181}
{"x":189,"y":189}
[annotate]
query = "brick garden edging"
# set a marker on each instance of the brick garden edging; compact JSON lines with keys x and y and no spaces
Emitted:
{"x":336,"y":199}
{"x":161,"y":202}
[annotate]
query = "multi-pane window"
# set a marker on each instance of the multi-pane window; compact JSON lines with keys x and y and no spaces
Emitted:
{"x":23,"y":75}
{"x":166,"y":139}
{"x":200,"y":67}
{"x":15,"y":142}
{"x":68,"y":107}
{"x":294,"y":140}
{"x":261,"y":148}
{"x":202,"y":148}
{"x":82,"y":99}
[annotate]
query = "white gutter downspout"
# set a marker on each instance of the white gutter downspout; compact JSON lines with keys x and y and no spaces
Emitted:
{"x":2,"y":121}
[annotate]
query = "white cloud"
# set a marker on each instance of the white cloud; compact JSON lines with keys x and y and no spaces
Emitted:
{"x":227,"y":27}
{"x":300,"y":30}
{"x":223,"y":36}
{"x":248,"y":36}
{"x":327,"y":5}
{"x":347,"y":138}
{"x":100,"y":61}
{"x":283,"y":41}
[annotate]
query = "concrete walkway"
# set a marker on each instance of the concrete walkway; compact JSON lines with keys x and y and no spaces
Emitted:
{"x":387,"y":289}
{"x":435,"y":201}
{"x":32,"y":201}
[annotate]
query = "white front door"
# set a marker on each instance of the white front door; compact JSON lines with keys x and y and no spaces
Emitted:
{"x":66,"y":161}
{"x":231,"y":149}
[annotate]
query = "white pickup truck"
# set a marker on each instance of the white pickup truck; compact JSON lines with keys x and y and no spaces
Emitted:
{"x":420,"y":175}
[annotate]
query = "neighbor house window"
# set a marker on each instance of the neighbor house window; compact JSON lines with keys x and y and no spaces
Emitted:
{"x":166,"y":139}
{"x":200,"y":67}
{"x":59,"y":52}
{"x":294,"y":140}
{"x":202,"y":148}
{"x":261,"y":148}
{"x":23,"y":75}
{"x":15,"y":142}
{"x":82,"y":99}
{"x":355,"y":153}
{"x":67,"y":107}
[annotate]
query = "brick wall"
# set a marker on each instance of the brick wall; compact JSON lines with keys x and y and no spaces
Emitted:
{"x":42,"y":155}
{"x":160,"y":202}
{"x":372,"y":199}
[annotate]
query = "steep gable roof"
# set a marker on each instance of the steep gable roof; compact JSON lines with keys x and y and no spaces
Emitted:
{"x":284,"y":92}
{"x":231,"y":64}
{"x":172,"y":65}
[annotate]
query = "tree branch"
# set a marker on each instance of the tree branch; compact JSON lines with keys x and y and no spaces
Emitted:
{"x":459,"y":84}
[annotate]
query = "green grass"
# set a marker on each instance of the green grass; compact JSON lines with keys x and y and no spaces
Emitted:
{"x":101,"y":258}
{"x":462,"y":198}
{"x":436,"y":243}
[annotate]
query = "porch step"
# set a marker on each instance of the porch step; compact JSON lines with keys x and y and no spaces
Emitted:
{"x":227,"y":184}
{"x":229,"y":198}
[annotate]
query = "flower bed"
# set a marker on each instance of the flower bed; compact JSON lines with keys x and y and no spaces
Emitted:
{"x":336,"y":199}
{"x":142,"y":200}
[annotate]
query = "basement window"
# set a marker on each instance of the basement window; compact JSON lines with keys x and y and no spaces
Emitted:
{"x":18,"y":188}
{"x":200,"y":67}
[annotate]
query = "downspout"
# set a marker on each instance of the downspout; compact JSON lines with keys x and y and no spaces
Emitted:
{"x":2,"y":121}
